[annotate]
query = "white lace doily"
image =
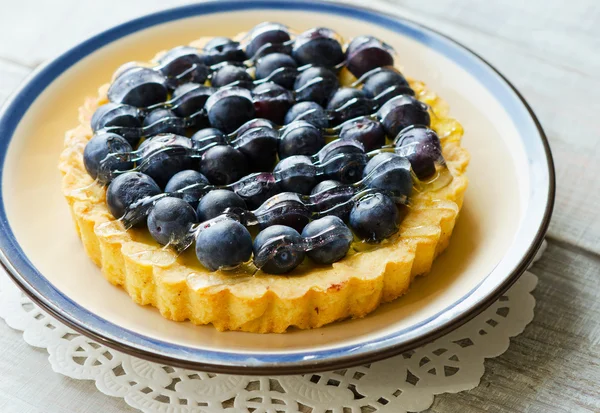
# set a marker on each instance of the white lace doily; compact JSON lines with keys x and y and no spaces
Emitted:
{"x":407,"y":382}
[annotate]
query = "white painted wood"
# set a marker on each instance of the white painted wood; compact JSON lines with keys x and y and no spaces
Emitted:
{"x":550,"y":50}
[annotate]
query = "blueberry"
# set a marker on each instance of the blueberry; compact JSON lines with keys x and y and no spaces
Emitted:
{"x":423,"y":149}
{"x":386,"y":84}
{"x":334,"y":250}
{"x":374,"y":217}
{"x":223,"y":244}
{"x":272,"y":101}
{"x":170,"y":221}
{"x":348,"y":103}
{"x":215,"y":202}
{"x":185,"y":179}
{"x":163,"y":121}
{"x":259,"y":145}
{"x":296,"y":174}
{"x":230,"y":75}
{"x":140,"y":87}
{"x":365,"y":53}
{"x":256,"y":188}
{"x":401,"y":112}
{"x":96,"y":151}
{"x":164,"y":155}
{"x":278,"y":68}
{"x":190,"y":98}
{"x":340,"y":146}
{"x":230,"y":108}
{"x":223,"y":164}
{"x":128,"y":188}
{"x":389,"y":173}
{"x":208,"y":136}
{"x":265,"y":36}
{"x":118,"y":115}
{"x":316,"y":84}
{"x":308,"y":111}
{"x":318,"y":47}
{"x":222,"y":49}
{"x":367,"y":131}
{"x":183,"y":64}
{"x":324,"y":186}
{"x":332,"y":201}
{"x":286,"y":208}
{"x":287,"y":255}
{"x":300,"y":138}
{"x":376,"y":160}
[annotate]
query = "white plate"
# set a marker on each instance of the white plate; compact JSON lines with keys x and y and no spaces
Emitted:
{"x":506,"y":210}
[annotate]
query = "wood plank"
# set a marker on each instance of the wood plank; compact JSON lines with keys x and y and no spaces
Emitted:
{"x":554,"y":365}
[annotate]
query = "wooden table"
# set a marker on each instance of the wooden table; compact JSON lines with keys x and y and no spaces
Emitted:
{"x":550,"y":49}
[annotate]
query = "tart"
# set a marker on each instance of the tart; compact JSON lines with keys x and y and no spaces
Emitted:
{"x":367,"y":238}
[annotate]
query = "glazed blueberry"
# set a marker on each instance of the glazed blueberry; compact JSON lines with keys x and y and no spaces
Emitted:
{"x":366,"y":53}
{"x":265,"y":37}
{"x":386,"y":84}
{"x":308,"y":111}
{"x":190,"y":98}
{"x":185,"y":179}
{"x":374,"y":217}
{"x":223,"y":164}
{"x":318,"y":47}
{"x":115,"y":114}
{"x":340,"y":146}
{"x":128,"y":188}
{"x":348,"y":103}
{"x":316,"y":84}
{"x":287,"y":257}
{"x":278,"y":68}
{"x":208,"y":136}
{"x":216,"y":202}
{"x":163,"y":121}
{"x":376,"y":160}
{"x":272,"y":101}
{"x":140,"y":87}
{"x":401,"y":112}
{"x":164,"y":155}
{"x":229,"y":75}
{"x":389,"y":172}
{"x":367,"y":131}
{"x":331,"y":251}
{"x":255,"y":189}
{"x":324,"y":186}
{"x":296,"y":174}
{"x":222,"y":49}
{"x":259,"y":145}
{"x":183,"y":64}
{"x":330,"y":201}
{"x":95,"y":156}
{"x":170,"y":221}
{"x":423,"y":149}
{"x":223,"y":244}
{"x":300,"y":138}
{"x":230,"y":108}
{"x":286,"y":208}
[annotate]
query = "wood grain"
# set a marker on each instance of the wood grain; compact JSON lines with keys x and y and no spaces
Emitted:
{"x":549,"y":50}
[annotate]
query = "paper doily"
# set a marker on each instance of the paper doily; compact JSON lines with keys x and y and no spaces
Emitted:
{"x":407,"y":382}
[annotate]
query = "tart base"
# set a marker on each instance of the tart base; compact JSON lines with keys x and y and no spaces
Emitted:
{"x":248,"y":299}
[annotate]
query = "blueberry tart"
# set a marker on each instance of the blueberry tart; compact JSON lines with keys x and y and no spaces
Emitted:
{"x":272,"y":180}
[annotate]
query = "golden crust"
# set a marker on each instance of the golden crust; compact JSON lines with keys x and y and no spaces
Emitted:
{"x":251,"y":300}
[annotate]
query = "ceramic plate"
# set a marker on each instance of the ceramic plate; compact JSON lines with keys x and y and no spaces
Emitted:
{"x":506,"y":210}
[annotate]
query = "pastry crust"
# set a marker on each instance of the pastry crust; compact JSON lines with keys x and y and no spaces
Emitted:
{"x":250,"y":300}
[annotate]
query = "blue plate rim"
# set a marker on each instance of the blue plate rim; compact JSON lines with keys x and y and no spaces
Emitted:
{"x":15,"y":261}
